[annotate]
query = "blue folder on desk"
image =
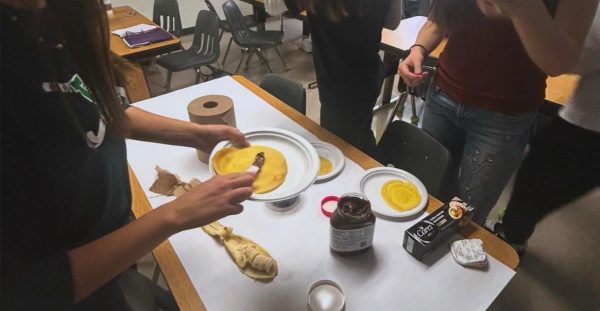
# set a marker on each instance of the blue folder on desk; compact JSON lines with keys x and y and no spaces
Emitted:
{"x":137,"y":39}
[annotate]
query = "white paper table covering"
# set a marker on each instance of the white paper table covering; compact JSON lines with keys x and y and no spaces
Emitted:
{"x":386,"y":278}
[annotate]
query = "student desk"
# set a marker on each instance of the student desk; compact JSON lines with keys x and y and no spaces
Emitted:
{"x":123,"y":17}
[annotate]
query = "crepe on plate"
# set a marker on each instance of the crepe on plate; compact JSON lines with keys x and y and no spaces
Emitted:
{"x":235,"y":160}
{"x":325,"y":166}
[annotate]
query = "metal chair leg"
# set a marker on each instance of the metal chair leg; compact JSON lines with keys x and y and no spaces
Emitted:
{"x":247,"y":64}
{"x":399,"y":106}
{"x":244,"y":54}
{"x":414,"y":119}
{"x":198,"y":73}
{"x":169,"y":75}
{"x":262,"y":57}
{"x":286,"y":68}
{"x":226,"y":52}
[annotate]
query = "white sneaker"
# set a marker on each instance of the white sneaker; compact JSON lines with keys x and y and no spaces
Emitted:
{"x":307,"y":45}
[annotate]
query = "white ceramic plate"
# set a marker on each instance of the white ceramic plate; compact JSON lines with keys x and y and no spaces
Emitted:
{"x":301,"y":157}
{"x":333,"y":154}
{"x":373,"y":180}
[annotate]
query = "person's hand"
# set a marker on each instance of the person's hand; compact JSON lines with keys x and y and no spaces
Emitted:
{"x":205,"y":137}
{"x":212,"y":200}
{"x":411,"y":68}
{"x":501,"y":8}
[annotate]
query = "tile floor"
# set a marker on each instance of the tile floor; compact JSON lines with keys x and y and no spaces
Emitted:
{"x":560,"y":270}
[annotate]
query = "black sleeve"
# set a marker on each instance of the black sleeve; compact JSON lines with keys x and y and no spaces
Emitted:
{"x":42,"y":285}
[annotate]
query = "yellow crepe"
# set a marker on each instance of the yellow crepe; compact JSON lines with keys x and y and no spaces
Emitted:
{"x":235,"y":160}
{"x":400,"y":195}
{"x":325,"y":166}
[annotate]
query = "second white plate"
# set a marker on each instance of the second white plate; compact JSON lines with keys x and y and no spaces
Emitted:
{"x":334,"y":155}
{"x":373,"y":180}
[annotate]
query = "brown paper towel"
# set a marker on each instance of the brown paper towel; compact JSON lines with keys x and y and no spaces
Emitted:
{"x":211,"y":109}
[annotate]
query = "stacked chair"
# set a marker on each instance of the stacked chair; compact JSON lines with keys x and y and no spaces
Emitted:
{"x":252,"y":42}
{"x":224,"y":26}
{"x":166,"y":15}
{"x":203,"y":52}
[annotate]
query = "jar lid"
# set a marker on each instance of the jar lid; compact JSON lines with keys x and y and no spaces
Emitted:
{"x":329,"y":204}
{"x":326,"y":295}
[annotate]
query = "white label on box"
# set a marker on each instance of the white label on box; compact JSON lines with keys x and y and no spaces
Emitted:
{"x":351,"y":240}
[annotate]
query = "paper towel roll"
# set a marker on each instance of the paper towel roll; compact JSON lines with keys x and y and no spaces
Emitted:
{"x":211,"y":109}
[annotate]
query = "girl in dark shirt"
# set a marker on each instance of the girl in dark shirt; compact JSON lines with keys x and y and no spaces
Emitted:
{"x":66,"y":200}
{"x":491,"y":80}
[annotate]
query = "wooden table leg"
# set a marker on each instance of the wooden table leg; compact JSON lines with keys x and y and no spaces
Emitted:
{"x":134,"y":80}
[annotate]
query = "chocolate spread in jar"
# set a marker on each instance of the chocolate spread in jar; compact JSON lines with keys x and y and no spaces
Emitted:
{"x":352,"y":225}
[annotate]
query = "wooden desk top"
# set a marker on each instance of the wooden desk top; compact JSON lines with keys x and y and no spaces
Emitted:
{"x":125,"y":16}
{"x":560,"y":89}
{"x":172,"y":269}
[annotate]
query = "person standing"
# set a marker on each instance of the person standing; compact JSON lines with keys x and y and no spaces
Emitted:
{"x":66,"y":201}
{"x":346,"y":35}
{"x":490,"y":82}
{"x":564,"y":160}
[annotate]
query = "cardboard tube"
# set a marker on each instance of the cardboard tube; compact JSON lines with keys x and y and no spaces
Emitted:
{"x":211,"y":109}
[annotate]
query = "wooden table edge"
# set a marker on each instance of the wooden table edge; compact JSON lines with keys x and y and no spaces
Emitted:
{"x":173,"y":271}
{"x":177,"y":278}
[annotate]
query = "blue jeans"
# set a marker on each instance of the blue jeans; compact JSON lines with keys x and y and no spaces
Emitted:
{"x":486,"y":147}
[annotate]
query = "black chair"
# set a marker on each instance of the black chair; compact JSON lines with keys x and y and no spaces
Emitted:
{"x":410,"y":148}
{"x":224,"y":26}
{"x":166,"y":15}
{"x":203,"y":52}
{"x":288,"y":91}
{"x":251,"y":42}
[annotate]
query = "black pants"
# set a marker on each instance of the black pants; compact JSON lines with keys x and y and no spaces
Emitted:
{"x":562,"y":165}
{"x":351,"y":124}
{"x":350,"y":117}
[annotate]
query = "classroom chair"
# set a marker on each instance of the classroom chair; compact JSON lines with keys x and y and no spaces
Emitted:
{"x":203,"y":52}
{"x":410,"y":148}
{"x":288,"y":91}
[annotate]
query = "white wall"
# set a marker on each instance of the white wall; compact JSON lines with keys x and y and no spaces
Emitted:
{"x":187,"y":8}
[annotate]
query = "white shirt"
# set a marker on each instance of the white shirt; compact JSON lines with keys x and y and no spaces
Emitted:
{"x":583,"y":109}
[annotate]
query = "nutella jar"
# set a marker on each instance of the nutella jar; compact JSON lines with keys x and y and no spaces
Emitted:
{"x":352,"y":225}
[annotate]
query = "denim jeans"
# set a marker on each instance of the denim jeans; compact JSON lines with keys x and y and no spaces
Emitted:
{"x":486,"y":147}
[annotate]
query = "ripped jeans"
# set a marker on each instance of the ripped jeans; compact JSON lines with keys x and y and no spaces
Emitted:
{"x":486,"y":147}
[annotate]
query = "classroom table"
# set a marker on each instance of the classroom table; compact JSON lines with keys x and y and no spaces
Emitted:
{"x":125,"y":16}
{"x":129,"y":67}
{"x":395,"y":45}
{"x":195,"y":266}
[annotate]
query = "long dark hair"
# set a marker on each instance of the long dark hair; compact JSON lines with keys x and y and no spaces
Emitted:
{"x":85,"y":27}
